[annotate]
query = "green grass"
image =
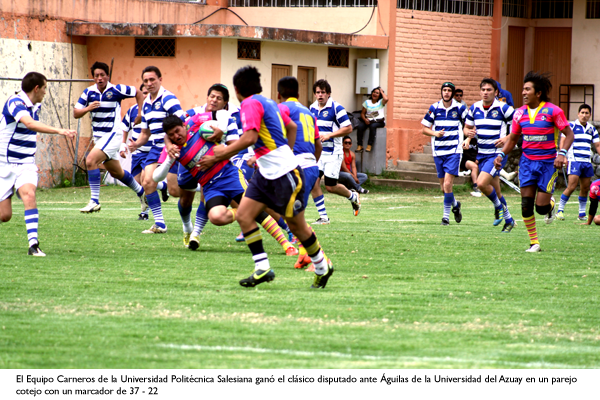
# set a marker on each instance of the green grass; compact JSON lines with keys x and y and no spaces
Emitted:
{"x":407,"y":292}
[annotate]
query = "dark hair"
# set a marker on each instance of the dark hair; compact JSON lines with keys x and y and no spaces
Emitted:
{"x":141,"y":87}
{"x":489,"y":81}
{"x":346,"y":137}
{"x":288,"y":87}
{"x":323,"y":85}
{"x":31,"y":80}
{"x":541,"y":83}
{"x":458,"y":91}
{"x":152,"y":68}
{"x":247,"y":81}
{"x":581,"y":107}
{"x":372,"y":91}
{"x":170,"y":122}
{"x":100,"y":65}
{"x":219,"y":87}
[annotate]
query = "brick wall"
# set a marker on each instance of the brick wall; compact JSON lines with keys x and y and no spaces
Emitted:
{"x":432,"y":48}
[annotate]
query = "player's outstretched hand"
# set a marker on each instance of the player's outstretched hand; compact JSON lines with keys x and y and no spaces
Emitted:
{"x":123,"y":150}
{"x":498,"y":162}
{"x":206,"y":162}
{"x":68,"y":133}
{"x":132,"y":146}
{"x":172,"y":150}
{"x":251,"y":161}
{"x":500,"y":142}
{"x":470,"y":132}
{"x":216,"y":136}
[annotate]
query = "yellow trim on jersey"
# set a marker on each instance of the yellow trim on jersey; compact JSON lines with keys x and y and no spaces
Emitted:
{"x":550,"y":187}
{"x":242,"y":180}
{"x":556,"y":137}
{"x":532,"y":117}
{"x":265,"y":136}
{"x":289,"y":210}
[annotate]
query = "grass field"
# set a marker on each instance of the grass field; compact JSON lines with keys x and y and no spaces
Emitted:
{"x":406,"y":293}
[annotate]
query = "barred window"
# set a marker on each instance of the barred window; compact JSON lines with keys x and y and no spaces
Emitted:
{"x":551,"y":9}
{"x":592,"y":9}
{"x":154,"y":47}
{"x":338,"y":57}
{"x":248,"y":50}
{"x":514,"y":8}
{"x":483,"y":8}
{"x":302,"y":3}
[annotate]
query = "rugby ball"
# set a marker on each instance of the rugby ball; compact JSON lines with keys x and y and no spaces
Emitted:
{"x":206,"y":129}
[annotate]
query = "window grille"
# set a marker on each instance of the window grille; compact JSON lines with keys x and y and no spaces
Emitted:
{"x":248,"y":50}
{"x":514,"y":8}
{"x":338,"y":57}
{"x":592,"y":10}
{"x":302,"y":3}
{"x":154,"y":47}
{"x":551,"y":9}
{"x":483,"y":8}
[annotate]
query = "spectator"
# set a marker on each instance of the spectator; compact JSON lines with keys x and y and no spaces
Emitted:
{"x":372,"y":116}
{"x":458,"y":96}
{"x":348,"y":175}
{"x":504,"y":95}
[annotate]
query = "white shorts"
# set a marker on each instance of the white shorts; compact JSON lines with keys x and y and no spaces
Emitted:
{"x":330,"y":165}
{"x":110,"y":144}
{"x":13,"y":176}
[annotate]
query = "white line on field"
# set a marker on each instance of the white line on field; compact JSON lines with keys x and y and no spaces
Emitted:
{"x":360,"y":357}
{"x":401,"y":220}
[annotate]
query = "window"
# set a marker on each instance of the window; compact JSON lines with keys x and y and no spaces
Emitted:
{"x":514,"y":8}
{"x":592,"y":10}
{"x":302,"y":3}
{"x":154,"y":47}
{"x":338,"y":57}
{"x":248,"y":50}
{"x":484,"y":8}
{"x":552,"y":9}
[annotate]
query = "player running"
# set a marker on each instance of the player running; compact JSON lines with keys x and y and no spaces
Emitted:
{"x":485,"y":120}
{"x":18,"y":133}
{"x":539,"y":122}
{"x":103,"y":102}
{"x":278,"y":183}
{"x":443,"y":122}
{"x":580,"y":168}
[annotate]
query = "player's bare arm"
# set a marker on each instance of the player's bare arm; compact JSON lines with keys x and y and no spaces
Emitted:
{"x":429,"y":132}
{"x":40,"y":127}
{"x":561,"y":160}
{"x":141,"y":140}
{"x":346,"y":130}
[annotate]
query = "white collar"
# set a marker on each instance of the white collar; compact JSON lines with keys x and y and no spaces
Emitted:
{"x":148,"y":98}
{"x":495,"y":103}
{"x":23,"y":96}
{"x":108,"y":86}
{"x":329,"y":104}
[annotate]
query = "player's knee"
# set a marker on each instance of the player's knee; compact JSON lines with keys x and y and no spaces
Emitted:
{"x":543,"y":210}
{"x":527,"y":206}
{"x":5,"y":217}
{"x":597,"y":219}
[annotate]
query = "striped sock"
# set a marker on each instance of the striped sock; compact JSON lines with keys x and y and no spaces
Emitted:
{"x":255,"y":244}
{"x":201,"y":220}
{"x":494,"y":199}
{"x":161,"y":185}
{"x":320,"y":204}
{"x":503,"y":201}
{"x":448,"y":199}
{"x":282,"y":224}
{"x":315,"y":252}
{"x":563,"y":202}
{"x":31,"y":223}
{"x":94,"y":180}
{"x":274,"y":230}
{"x":186,"y":217}
{"x":128,"y":180}
{"x":531,"y":229}
{"x":507,"y":216}
{"x":154,"y":203}
{"x":582,"y":205}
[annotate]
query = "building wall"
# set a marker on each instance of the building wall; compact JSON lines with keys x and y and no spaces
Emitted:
{"x":430,"y":49}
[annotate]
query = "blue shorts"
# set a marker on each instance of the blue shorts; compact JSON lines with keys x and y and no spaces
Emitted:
{"x":284,"y":195}
{"x":448,"y":164}
{"x":152,"y":156}
{"x":486,"y":164}
{"x":137,"y":162}
{"x":537,"y":173}
{"x":239,"y":162}
{"x":581,"y":169}
{"x":229,"y":184}
{"x":185,"y":180}
{"x":311,"y":174}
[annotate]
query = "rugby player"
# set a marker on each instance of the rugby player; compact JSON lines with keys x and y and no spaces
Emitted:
{"x":580,"y":169}
{"x":444,"y":122}
{"x":18,"y":172}
{"x":594,"y":195}
{"x":103,"y":101}
{"x":539,"y":122}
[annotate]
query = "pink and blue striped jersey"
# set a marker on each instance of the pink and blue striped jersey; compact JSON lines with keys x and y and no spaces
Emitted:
{"x":540,"y":129}
{"x":595,"y":190}
{"x":106,"y":118}
{"x":17,"y":143}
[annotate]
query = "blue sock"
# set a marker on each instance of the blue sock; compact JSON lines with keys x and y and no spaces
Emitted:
{"x":582,"y":205}
{"x":31,"y":223}
{"x":320,"y":203}
{"x":448,"y":202}
{"x":494,"y":199}
{"x":154,"y":204}
{"x":186,"y":217}
{"x":94,"y":179}
{"x":283,"y":225}
{"x":201,"y":220}
{"x":503,"y":201}
{"x":563,"y":202}
{"x":128,"y":180}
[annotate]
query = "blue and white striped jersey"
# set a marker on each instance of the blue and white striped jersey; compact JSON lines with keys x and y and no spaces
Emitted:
{"x":581,"y":149}
{"x":17,"y":143}
{"x":230,"y":133}
{"x":490,"y":125}
{"x":128,"y":126}
{"x":155,"y":111}
{"x":106,"y":118}
{"x":330,"y":119}
{"x":451,"y":120}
